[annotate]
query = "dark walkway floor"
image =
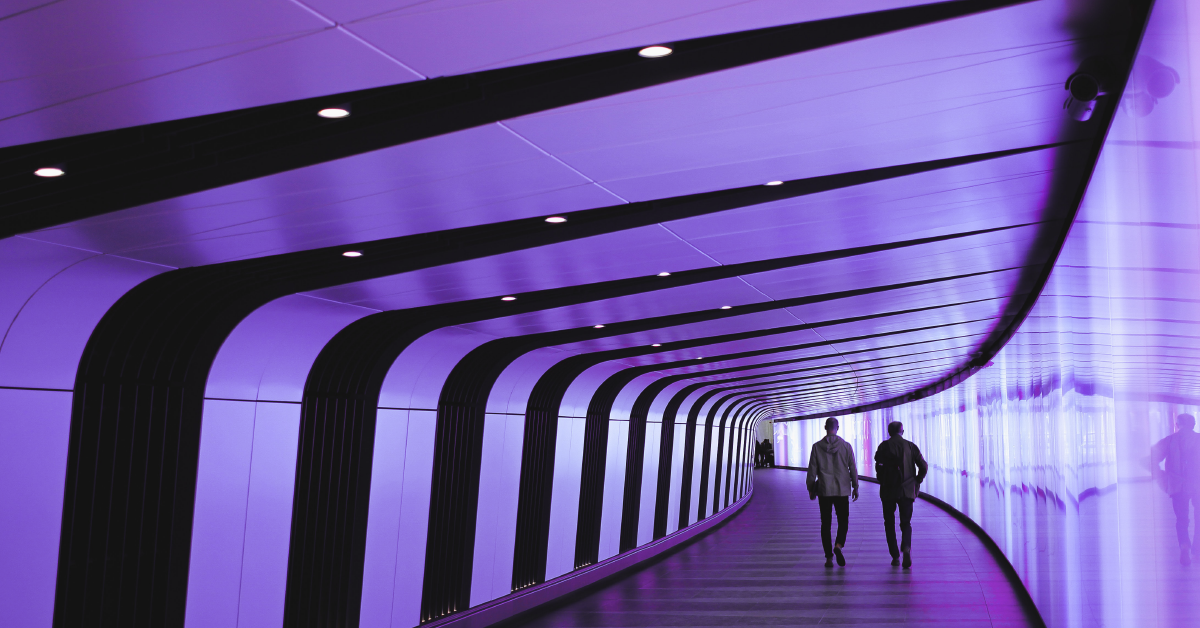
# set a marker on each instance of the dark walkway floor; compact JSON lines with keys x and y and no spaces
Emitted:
{"x":766,"y":567}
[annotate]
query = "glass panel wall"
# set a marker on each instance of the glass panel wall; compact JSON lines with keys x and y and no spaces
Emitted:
{"x":1064,"y":448}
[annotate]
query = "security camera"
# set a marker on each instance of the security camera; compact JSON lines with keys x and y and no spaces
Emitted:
{"x":1086,"y":87}
{"x":1085,"y":91}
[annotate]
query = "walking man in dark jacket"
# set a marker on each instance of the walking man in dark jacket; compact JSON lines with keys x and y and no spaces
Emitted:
{"x":833,"y":478}
{"x":900,"y":469}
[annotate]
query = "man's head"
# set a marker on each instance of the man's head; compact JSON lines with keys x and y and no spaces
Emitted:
{"x":831,"y":425}
{"x":895,"y":428}
{"x":1185,"y":423}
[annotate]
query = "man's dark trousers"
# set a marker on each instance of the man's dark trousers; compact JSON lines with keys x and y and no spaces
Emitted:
{"x":1179,"y":501}
{"x":828,"y":504}
{"x":889,"y":523}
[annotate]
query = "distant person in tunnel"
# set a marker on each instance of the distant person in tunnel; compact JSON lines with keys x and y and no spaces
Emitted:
{"x":768,"y":453}
{"x":833,"y":479}
{"x":758,"y":454}
{"x":1181,"y":452}
{"x":900,"y":469}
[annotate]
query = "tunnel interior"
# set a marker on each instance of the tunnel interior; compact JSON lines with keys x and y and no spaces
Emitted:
{"x":383,"y":313}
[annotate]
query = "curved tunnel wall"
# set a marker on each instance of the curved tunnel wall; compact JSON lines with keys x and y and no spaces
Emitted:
{"x":239,"y":452}
{"x":1051,"y":449}
{"x":50,"y":302}
{"x":248,"y":466}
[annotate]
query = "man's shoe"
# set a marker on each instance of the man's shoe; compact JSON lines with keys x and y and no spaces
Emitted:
{"x":895,"y":561}
{"x":837,"y":551}
{"x":829,"y":562}
{"x":907,"y":559}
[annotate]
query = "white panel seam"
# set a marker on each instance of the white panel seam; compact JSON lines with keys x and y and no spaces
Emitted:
{"x":400,"y":514}
{"x":246,"y":517}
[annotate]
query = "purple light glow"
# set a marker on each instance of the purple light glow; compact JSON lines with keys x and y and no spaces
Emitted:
{"x":1049,"y":449}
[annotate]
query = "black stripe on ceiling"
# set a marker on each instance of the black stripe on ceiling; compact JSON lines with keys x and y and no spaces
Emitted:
{"x":793,"y":383}
{"x":819,"y":389}
{"x":823,"y":397}
{"x":865,"y":375}
{"x":827,"y":396}
{"x":123,"y":168}
{"x":140,"y":385}
{"x":813,"y":390}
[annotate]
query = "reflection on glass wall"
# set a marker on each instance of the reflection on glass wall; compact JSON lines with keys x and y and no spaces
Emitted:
{"x":1075,"y":450}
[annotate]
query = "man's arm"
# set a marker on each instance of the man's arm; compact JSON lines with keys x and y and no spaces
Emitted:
{"x":853,"y":474}
{"x":919,"y":460}
{"x":1158,"y":453}
{"x":811,"y":480}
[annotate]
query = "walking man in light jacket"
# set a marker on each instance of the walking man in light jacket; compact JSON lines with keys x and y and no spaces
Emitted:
{"x":833,"y":479}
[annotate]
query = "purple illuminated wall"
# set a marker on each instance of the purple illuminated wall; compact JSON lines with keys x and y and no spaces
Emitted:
{"x":51,"y":297}
{"x":1049,"y":449}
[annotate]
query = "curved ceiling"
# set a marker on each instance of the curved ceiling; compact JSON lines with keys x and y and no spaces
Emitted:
{"x":928,"y":267}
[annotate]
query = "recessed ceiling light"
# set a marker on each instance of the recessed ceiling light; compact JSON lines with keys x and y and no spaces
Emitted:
{"x":598,"y":326}
{"x":700,"y":358}
{"x":726,"y":307}
{"x":656,"y":345}
{"x":654,"y":52}
{"x":352,"y":254}
{"x":774,"y":183}
{"x":508,"y":298}
{"x":664,"y":274}
{"x":49,"y":172}
{"x":333,"y":113}
{"x":556,"y":220}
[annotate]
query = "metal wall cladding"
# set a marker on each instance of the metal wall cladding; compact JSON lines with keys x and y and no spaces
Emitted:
{"x":1050,"y":448}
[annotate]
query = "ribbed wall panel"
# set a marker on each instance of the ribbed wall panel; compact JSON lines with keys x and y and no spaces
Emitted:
{"x":712,"y":441}
{"x":457,"y":449}
{"x":335,"y":460}
{"x":674,"y":489}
